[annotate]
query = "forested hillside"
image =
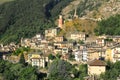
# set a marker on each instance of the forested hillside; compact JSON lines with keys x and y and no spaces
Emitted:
{"x":110,"y":26}
{"x":25,"y":18}
{"x":4,"y":1}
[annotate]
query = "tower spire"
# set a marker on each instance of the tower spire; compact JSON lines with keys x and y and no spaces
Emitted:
{"x":75,"y":13}
{"x":60,"y":22}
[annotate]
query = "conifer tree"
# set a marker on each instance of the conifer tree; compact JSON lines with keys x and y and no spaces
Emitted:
{"x":22,"y":59}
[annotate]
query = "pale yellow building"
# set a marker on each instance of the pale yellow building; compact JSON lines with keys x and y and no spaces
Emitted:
{"x":93,"y":55}
{"x":61,"y":44}
{"x":58,"y":39}
{"x":78,"y":36}
{"x":96,"y":67}
{"x":108,"y":55}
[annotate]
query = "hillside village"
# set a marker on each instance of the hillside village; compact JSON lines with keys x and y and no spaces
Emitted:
{"x":59,"y":39}
{"x":79,"y":46}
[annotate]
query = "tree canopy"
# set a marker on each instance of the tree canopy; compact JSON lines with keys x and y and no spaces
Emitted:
{"x":110,"y":26}
{"x":51,"y":57}
{"x":12,"y":71}
{"x":60,"y":70}
{"x":22,"y":59}
{"x":113,"y":71}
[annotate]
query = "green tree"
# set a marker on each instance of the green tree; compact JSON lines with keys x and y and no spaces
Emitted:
{"x":110,"y":65}
{"x":112,"y":72}
{"x":28,"y":73}
{"x":82,"y":71}
{"x":110,"y":26}
{"x":58,"y":55}
{"x":51,"y":57}
{"x":81,"y":42}
{"x":17,"y":71}
{"x":8,"y":75}
{"x":60,"y":70}
{"x":2,"y":66}
{"x":21,"y":50}
{"x":22,"y":59}
{"x":117,"y":66}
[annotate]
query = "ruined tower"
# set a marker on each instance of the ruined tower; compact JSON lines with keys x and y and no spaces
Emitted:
{"x":60,"y":22}
{"x":75,"y":13}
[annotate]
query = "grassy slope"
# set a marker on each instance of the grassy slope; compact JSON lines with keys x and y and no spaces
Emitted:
{"x":86,"y":26}
{"x":91,"y":9}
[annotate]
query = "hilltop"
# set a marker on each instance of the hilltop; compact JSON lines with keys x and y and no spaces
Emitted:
{"x":92,"y":8}
{"x":89,"y":13}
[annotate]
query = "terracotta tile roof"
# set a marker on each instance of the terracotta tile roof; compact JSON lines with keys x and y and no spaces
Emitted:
{"x":97,"y":63}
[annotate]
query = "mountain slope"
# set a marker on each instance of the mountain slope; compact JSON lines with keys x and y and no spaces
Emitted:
{"x":89,"y":12}
{"x":25,"y":18}
{"x":92,"y":8}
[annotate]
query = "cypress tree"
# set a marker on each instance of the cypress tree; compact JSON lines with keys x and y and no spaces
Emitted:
{"x":22,"y":59}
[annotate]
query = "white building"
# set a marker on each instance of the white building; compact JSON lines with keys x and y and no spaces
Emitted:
{"x":78,"y":55}
{"x":38,"y":36}
{"x":100,"y":41}
{"x":81,"y":55}
{"x":116,"y":54}
{"x":78,"y":36}
{"x":36,"y":60}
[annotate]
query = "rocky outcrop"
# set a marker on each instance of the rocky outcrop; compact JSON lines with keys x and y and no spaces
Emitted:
{"x":97,"y":9}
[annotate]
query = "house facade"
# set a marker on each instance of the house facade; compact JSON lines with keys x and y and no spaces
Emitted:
{"x":36,"y":60}
{"x":116,"y":54}
{"x":113,"y":54}
{"x":96,"y":67}
{"x":93,"y":55}
{"x":100,"y":41}
{"x":58,"y":39}
{"x":81,"y":55}
{"x":60,"y":44}
{"x":78,"y":55}
{"x":50,"y":33}
{"x":78,"y":36}
{"x":109,"y":55}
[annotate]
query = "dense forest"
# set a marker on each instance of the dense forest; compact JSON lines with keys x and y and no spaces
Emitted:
{"x":18,"y":71}
{"x":112,"y":71}
{"x":25,"y":18}
{"x":61,"y":70}
{"x":110,"y":26}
